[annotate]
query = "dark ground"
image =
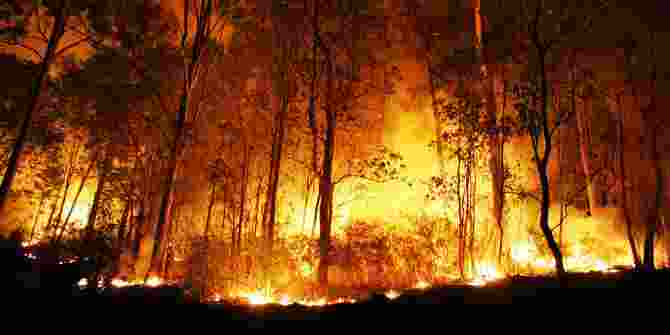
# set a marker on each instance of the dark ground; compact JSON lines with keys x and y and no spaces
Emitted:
{"x":46,"y":283}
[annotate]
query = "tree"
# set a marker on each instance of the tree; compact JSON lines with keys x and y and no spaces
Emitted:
{"x":339,"y":60}
{"x":58,"y":11}
{"x":194,"y":45}
{"x":546,"y":26}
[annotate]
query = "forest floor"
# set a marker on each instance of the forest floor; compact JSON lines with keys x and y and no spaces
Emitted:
{"x":578,"y":290}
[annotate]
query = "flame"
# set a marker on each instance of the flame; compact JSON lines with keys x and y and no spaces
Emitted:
{"x":422,"y":285}
{"x":257,"y":298}
{"x":154,"y":281}
{"x":392,"y":294}
{"x":478,"y":282}
{"x":487,"y":272}
{"x":285,"y":300}
{"x":522,"y":252}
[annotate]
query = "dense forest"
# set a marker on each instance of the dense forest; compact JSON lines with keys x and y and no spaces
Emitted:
{"x":295,"y":146}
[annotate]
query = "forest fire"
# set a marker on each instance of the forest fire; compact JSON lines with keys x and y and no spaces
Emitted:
{"x":268,"y":159}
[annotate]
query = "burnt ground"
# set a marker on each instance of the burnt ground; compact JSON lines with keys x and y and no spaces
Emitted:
{"x":578,"y":289}
{"x":44,"y":284}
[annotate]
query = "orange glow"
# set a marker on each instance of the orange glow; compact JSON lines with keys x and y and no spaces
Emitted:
{"x":154,"y":282}
{"x":392,"y":294}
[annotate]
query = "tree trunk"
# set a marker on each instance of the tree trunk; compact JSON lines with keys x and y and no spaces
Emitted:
{"x":326,"y":186}
{"x":653,"y":215}
{"x":68,"y":181}
{"x":167,"y":196}
{"x":57,"y":33}
{"x":496,"y":167}
{"x":76,"y":196}
{"x":243,"y":200}
{"x":280,"y":97}
{"x":273,"y":186}
{"x":121,"y":236}
{"x":36,"y":216}
{"x":584,"y":137}
{"x":138,"y":234}
{"x":210,"y":207}
{"x":167,"y":192}
{"x":90,"y":226}
{"x":624,"y":193}
{"x":51,"y":215}
{"x":543,"y":162}
{"x":461,"y":222}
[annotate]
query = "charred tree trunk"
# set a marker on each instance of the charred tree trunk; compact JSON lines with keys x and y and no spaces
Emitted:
{"x":273,"y":186}
{"x":584,"y":136}
{"x":51,"y":216}
{"x":496,"y":167}
{"x":138,"y":235}
{"x":36,"y":216}
{"x":57,"y":33}
{"x":543,"y":161}
{"x":280,"y":90}
{"x":199,"y":40}
{"x":243,"y":200}
{"x":90,"y":226}
{"x":326,"y":184}
{"x":653,"y":216}
{"x":76,"y":196}
{"x":121,"y":236}
{"x":68,"y":181}
{"x":210,"y":208}
{"x":624,"y":193}
{"x":461,"y":222}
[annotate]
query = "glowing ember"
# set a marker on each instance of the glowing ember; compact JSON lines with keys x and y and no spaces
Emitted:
{"x":31,"y":256}
{"x":216,"y":297}
{"x":82,"y":283}
{"x":488,"y":272}
{"x":31,"y":243}
{"x":479,"y":282}
{"x":285,"y":300}
{"x":154,"y":282}
{"x":116,"y":282}
{"x":601,"y":266}
{"x":422,"y":285}
{"x":392,"y":294}
{"x":257,"y":299}
{"x":317,"y":303}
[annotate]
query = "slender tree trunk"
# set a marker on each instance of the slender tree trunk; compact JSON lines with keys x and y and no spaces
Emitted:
{"x":243,"y":199}
{"x":138,"y":228}
{"x":280,"y":91}
{"x":51,"y":215}
{"x":258,"y":214}
{"x":68,"y":181}
{"x":76,"y":196}
{"x":542,"y":165}
{"x":648,"y":123}
{"x":494,"y":138}
{"x":167,"y":195}
{"x":624,"y":193}
{"x":273,"y":187}
{"x":326,"y":186}
{"x":461,"y":222}
{"x":36,"y":216}
{"x":584,"y":138}
{"x":121,"y":236}
{"x":90,"y":226}
{"x":210,"y":207}
{"x":57,"y":33}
